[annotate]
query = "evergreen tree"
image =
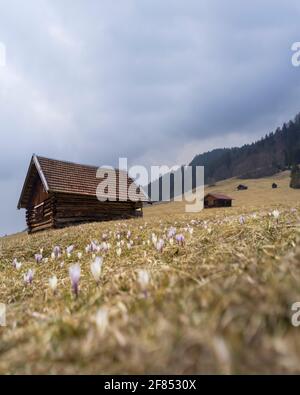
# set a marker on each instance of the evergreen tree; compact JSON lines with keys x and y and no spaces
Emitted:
{"x":295,"y":177}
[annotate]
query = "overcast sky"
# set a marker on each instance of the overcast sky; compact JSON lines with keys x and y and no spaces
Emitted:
{"x":156,"y":81}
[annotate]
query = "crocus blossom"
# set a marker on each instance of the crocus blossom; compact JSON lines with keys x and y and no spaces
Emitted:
{"x":102,"y":320}
{"x":276,"y":214}
{"x":180,"y":239}
{"x":53,"y":283}
{"x":160,"y":245}
{"x":242,"y":220}
{"x":96,"y":268}
{"x":143,"y":280}
{"x":154,"y":238}
{"x":171,"y":232}
{"x":38,"y":258}
{"x":104,"y":247}
{"x":28,"y":277}
{"x":17,"y":265}
{"x":74,"y":272}
{"x":56,"y":252}
{"x":69,"y":250}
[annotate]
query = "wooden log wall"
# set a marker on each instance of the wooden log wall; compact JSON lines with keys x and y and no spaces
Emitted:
{"x":42,"y":216}
{"x":62,"y":210}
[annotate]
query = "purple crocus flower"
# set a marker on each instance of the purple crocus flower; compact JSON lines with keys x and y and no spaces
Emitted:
{"x":28,"y":277}
{"x":74,"y":272}
{"x":242,"y":220}
{"x":160,"y":245}
{"x":171,"y":232}
{"x":93,"y":247}
{"x":180,"y":239}
{"x":38,"y":258}
{"x":56,"y":252}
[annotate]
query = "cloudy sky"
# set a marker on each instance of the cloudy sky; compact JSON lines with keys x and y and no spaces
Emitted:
{"x":156,"y":81}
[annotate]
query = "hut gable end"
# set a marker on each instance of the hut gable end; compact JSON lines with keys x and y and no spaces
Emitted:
{"x":38,"y":193}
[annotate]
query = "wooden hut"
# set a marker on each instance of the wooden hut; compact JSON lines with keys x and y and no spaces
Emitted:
{"x":217,"y":200}
{"x":58,"y":194}
{"x":242,"y":187}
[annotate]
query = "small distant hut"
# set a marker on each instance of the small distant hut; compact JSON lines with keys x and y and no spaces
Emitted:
{"x":242,"y":187}
{"x":58,"y":194}
{"x":274,"y":185}
{"x":217,"y":200}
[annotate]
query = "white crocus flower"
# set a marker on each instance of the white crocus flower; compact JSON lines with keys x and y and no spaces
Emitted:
{"x":102,"y":320}
{"x":69,"y":251}
{"x":96,"y":268}
{"x":276,"y":214}
{"x":154,"y":239}
{"x":53,"y":283}
{"x":104,"y":246}
{"x":143,"y":279}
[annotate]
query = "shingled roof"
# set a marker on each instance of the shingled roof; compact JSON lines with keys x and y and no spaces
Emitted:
{"x":72,"y":178}
{"x":219,"y":196}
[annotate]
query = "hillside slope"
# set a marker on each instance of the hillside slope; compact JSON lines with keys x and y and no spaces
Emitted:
{"x":260,"y":194}
{"x":219,"y":302}
{"x":275,"y":152}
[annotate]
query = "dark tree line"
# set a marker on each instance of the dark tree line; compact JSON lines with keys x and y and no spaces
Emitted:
{"x":295,"y":177}
{"x":276,"y":151}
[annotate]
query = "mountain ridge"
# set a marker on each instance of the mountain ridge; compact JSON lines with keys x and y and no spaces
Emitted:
{"x":277,"y":151}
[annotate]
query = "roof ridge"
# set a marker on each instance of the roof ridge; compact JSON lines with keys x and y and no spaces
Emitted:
{"x":218,"y":194}
{"x":77,"y":164}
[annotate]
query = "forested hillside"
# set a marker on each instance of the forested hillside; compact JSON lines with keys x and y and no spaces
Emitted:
{"x":275,"y":152}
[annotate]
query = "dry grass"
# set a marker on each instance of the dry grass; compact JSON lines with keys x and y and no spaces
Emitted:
{"x":219,"y":304}
{"x":258,"y":195}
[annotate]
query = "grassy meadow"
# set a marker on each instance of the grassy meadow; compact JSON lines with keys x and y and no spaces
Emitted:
{"x":178,"y":293}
